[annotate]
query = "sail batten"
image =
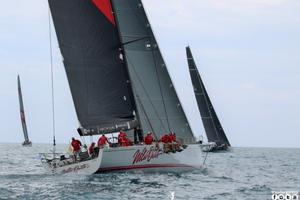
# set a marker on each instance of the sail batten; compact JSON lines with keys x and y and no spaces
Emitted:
{"x":90,"y":46}
{"x":157,"y":100}
{"x":211,"y":123}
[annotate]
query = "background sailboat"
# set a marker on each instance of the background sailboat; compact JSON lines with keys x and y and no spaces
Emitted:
{"x":213,"y":128}
{"x":22,"y":115}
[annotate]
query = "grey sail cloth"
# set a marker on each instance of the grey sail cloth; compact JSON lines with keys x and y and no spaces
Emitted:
{"x":158,"y":105}
{"x":211,"y":123}
{"x":97,"y":75}
{"x":22,"y":112}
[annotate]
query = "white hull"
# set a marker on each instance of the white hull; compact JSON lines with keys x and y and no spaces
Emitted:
{"x":147,"y":158}
{"x":213,"y":147}
{"x":208,"y":147}
{"x":85,"y":167}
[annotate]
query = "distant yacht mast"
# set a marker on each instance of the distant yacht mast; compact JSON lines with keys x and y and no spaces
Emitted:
{"x":22,"y":115}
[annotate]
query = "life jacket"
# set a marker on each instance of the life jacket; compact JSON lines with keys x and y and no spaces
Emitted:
{"x":148,"y":139}
{"x":76,"y":144}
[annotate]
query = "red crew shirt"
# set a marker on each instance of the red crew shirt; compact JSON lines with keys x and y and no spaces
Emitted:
{"x":148,"y":139}
{"x":172,"y":137}
{"x":165,"y":139}
{"x":76,"y":144}
{"x":121,"y":136}
{"x":102,"y":141}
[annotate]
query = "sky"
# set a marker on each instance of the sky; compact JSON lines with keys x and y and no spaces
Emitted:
{"x":247,"y":52}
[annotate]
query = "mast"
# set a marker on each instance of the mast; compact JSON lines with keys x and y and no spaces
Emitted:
{"x":213,"y":128}
{"x":22,"y":112}
{"x":126,"y":63}
{"x":157,"y":101}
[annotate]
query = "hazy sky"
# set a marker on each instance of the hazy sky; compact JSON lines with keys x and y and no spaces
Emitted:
{"x":246,"y":50}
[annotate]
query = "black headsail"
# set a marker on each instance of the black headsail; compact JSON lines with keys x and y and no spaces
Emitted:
{"x":89,"y":42}
{"x":22,"y":113}
{"x":157,"y":102}
{"x":211,"y":123}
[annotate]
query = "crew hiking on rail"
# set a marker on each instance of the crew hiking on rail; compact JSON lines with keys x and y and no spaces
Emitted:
{"x":168,"y":141}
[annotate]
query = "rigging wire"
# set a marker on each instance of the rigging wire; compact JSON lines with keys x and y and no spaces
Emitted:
{"x":161,"y":92}
{"x":141,"y":83}
{"x":206,"y":155}
{"x":150,"y":33}
{"x":147,"y":117}
{"x":142,"y":23}
{"x":126,"y":71}
{"x":148,"y":96}
{"x":52,"y":81}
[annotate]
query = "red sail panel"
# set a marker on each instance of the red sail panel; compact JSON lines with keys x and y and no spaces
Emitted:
{"x":105,"y":7}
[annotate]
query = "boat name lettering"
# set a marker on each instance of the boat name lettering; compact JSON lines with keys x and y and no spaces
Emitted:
{"x":75,"y":169}
{"x":145,"y":154}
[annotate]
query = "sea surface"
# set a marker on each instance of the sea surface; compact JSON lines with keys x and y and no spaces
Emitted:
{"x":243,"y":173}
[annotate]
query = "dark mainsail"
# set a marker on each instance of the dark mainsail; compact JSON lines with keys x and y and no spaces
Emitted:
{"x":158,"y":105}
{"x":22,"y":114}
{"x":213,"y":128}
{"x":89,"y":42}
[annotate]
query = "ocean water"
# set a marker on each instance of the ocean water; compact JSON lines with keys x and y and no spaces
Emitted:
{"x":243,"y":173}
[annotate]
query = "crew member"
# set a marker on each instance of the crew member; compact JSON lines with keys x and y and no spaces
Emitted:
{"x":92,"y":149}
{"x":125,"y":141}
{"x":76,"y":145}
{"x":172,"y":137}
{"x":120,"y":136}
{"x":102,"y":141}
{"x":138,"y":135}
{"x":149,"y":139}
{"x":166,"y":140}
{"x":175,"y":145}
